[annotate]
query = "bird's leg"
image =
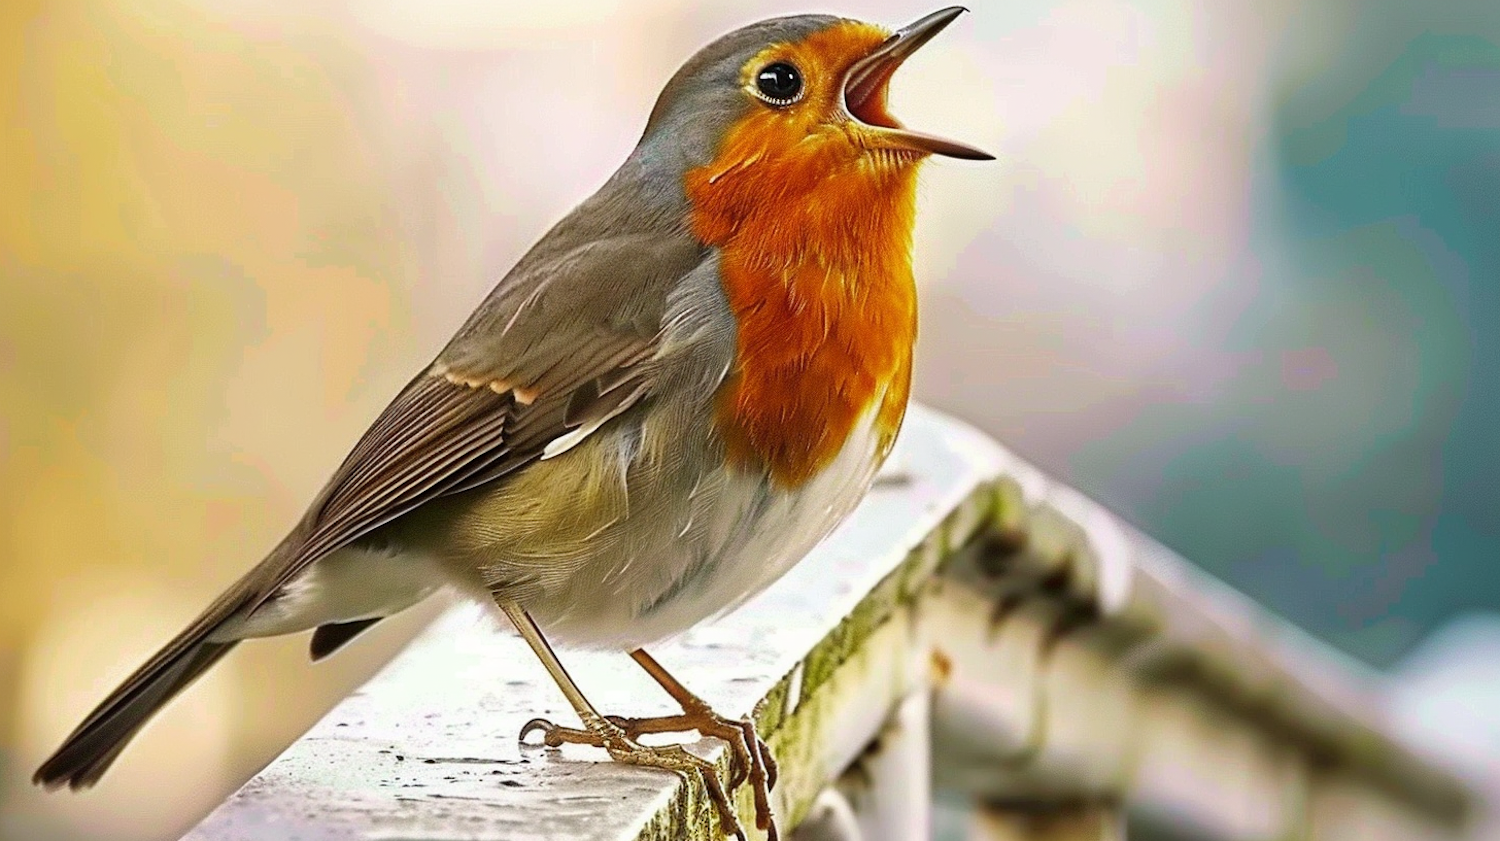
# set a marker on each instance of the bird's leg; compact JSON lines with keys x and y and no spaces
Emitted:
{"x":604,"y":733}
{"x":752,"y":757}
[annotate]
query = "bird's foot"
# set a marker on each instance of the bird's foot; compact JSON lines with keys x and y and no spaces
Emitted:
{"x":751,"y":757}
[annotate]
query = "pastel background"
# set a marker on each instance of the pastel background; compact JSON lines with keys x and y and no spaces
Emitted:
{"x":1236,"y":274}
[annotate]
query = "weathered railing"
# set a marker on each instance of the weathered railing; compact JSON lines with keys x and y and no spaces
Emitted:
{"x":975,"y":630}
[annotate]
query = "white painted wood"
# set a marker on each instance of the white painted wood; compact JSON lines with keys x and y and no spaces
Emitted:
{"x":890,"y":785}
{"x":831,"y":818}
{"x":1069,"y":660}
{"x":427,"y":750}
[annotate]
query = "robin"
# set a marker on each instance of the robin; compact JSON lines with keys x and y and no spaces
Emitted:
{"x":672,"y":397}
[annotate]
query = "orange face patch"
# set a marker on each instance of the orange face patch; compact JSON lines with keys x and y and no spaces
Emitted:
{"x":814,"y":237}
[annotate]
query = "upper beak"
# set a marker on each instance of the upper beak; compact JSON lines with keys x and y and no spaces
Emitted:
{"x":865,"y":90}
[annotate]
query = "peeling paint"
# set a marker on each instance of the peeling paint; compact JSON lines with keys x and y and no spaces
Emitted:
{"x":942,"y":667}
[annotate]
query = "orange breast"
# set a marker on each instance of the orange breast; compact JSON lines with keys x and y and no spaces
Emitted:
{"x":815,"y":258}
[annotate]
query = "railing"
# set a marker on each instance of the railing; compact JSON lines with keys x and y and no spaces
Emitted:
{"x":976,"y":631}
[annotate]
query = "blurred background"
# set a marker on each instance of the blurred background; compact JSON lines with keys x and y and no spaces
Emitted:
{"x":1236,"y":274}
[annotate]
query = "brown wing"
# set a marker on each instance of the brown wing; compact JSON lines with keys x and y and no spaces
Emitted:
{"x":559,"y":348}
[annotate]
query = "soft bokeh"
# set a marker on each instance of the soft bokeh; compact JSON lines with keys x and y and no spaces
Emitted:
{"x":1235,"y":273}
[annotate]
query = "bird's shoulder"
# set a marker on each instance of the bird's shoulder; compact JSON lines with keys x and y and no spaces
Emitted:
{"x":571,"y":305}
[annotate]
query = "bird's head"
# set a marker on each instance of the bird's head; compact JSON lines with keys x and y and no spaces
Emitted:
{"x":795,"y":106}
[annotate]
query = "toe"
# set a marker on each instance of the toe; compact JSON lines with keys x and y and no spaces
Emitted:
{"x":770,"y":762}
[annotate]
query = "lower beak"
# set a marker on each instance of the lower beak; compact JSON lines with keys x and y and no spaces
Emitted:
{"x":866,"y":84}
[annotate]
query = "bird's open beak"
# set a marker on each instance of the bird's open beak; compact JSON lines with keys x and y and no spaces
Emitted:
{"x":866,"y":84}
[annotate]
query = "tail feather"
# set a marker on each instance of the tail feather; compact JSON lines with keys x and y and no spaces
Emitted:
{"x":89,"y":751}
{"x":94,"y":746}
{"x":331,"y":637}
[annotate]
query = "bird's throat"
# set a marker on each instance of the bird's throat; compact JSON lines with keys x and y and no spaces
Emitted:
{"x":816,"y":265}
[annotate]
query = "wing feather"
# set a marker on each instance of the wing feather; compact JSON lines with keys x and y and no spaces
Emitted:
{"x":522,"y":374}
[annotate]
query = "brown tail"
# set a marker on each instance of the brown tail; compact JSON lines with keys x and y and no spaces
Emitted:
{"x":88,"y":752}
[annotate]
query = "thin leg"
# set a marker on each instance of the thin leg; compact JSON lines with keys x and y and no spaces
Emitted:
{"x":753,"y":754}
{"x":610,"y":736}
{"x":752,"y":757}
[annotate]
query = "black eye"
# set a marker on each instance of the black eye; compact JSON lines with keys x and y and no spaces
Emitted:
{"x":779,"y":83}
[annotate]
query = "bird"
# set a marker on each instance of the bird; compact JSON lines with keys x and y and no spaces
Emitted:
{"x":683,"y":387}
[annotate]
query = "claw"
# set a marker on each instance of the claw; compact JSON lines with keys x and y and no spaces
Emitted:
{"x":773,"y":771}
{"x":554,"y":736}
{"x":750,"y":756}
{"x":611,"y":734}
{"x":538,"y":724}
{"x":623,"y":748}
{"x":617,"y":735}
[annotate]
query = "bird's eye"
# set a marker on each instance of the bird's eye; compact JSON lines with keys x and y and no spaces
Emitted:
{"x":779,"y":83}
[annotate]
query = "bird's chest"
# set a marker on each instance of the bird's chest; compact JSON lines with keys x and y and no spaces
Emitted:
{"x":822,"y":351}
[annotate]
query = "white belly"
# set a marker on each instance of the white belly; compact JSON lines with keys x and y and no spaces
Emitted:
{"x":784,"y":527}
